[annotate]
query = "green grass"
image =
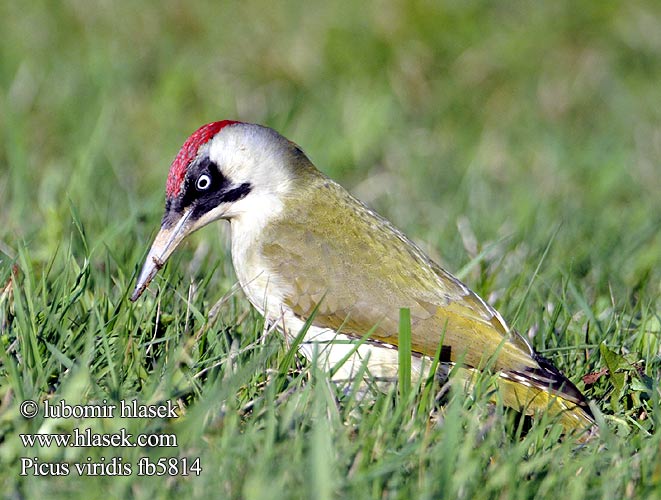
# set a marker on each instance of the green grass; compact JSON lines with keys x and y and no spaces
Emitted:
{"x":517,"y":142}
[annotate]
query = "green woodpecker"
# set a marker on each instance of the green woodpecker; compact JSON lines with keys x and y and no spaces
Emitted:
{"x":300,"y":241}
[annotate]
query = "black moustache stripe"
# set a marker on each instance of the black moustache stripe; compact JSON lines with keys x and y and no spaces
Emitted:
{"x":212,"y":200}
{"x":236,"y":193}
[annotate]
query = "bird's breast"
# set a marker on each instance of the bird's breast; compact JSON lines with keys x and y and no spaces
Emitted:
{"x":267,"y":290}
{"x":264,"y":291}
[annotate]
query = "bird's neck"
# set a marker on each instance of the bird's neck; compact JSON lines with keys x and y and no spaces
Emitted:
{"x":251,"y":228}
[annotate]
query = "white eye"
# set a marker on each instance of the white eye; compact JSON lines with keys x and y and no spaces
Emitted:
{"x":203,"y":182}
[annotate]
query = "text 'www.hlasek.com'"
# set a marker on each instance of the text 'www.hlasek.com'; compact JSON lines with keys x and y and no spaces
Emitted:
{"x":86,"y":438}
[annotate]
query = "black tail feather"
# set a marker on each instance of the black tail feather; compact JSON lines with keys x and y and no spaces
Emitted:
{"x":549,"y":378}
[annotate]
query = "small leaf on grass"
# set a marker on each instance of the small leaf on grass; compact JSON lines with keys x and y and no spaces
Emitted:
{"x":591,"y":378}
{"x":616,"y":364}
{"x":643,"y":383}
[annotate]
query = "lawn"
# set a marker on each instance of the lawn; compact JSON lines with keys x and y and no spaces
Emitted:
{"x":518,"y":143}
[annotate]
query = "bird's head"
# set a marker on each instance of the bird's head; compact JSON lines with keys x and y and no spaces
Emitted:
{"x":225,"y":170}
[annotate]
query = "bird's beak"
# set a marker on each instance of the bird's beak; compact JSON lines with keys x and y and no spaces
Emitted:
{"x":167,"y":239}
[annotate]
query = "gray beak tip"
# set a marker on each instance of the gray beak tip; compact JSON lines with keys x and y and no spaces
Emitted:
{"x":137,"y":292}
{"x":167,"y":239}
{"x":152,"y":265}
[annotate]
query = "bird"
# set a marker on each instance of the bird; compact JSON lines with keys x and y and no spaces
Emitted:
{"x":305,"y":250}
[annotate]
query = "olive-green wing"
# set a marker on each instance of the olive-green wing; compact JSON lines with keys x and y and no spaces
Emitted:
{"x":357,"y":301}
{"x":358,"y":296}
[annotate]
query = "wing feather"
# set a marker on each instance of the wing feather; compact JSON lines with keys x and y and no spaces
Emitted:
{"x":369,"y":270}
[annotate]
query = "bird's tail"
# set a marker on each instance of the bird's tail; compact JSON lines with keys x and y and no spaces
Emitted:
{"x":533,"y":400}
{"x":544,"y":390}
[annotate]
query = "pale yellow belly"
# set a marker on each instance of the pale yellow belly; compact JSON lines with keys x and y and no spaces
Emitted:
{"x":346,"y":357}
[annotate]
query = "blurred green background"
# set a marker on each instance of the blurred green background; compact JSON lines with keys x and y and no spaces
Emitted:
{"x":514,"y":114}
{"x":488,"y":129}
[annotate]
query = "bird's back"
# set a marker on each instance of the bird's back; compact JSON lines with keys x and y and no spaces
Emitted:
{"x":333,"y":252}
